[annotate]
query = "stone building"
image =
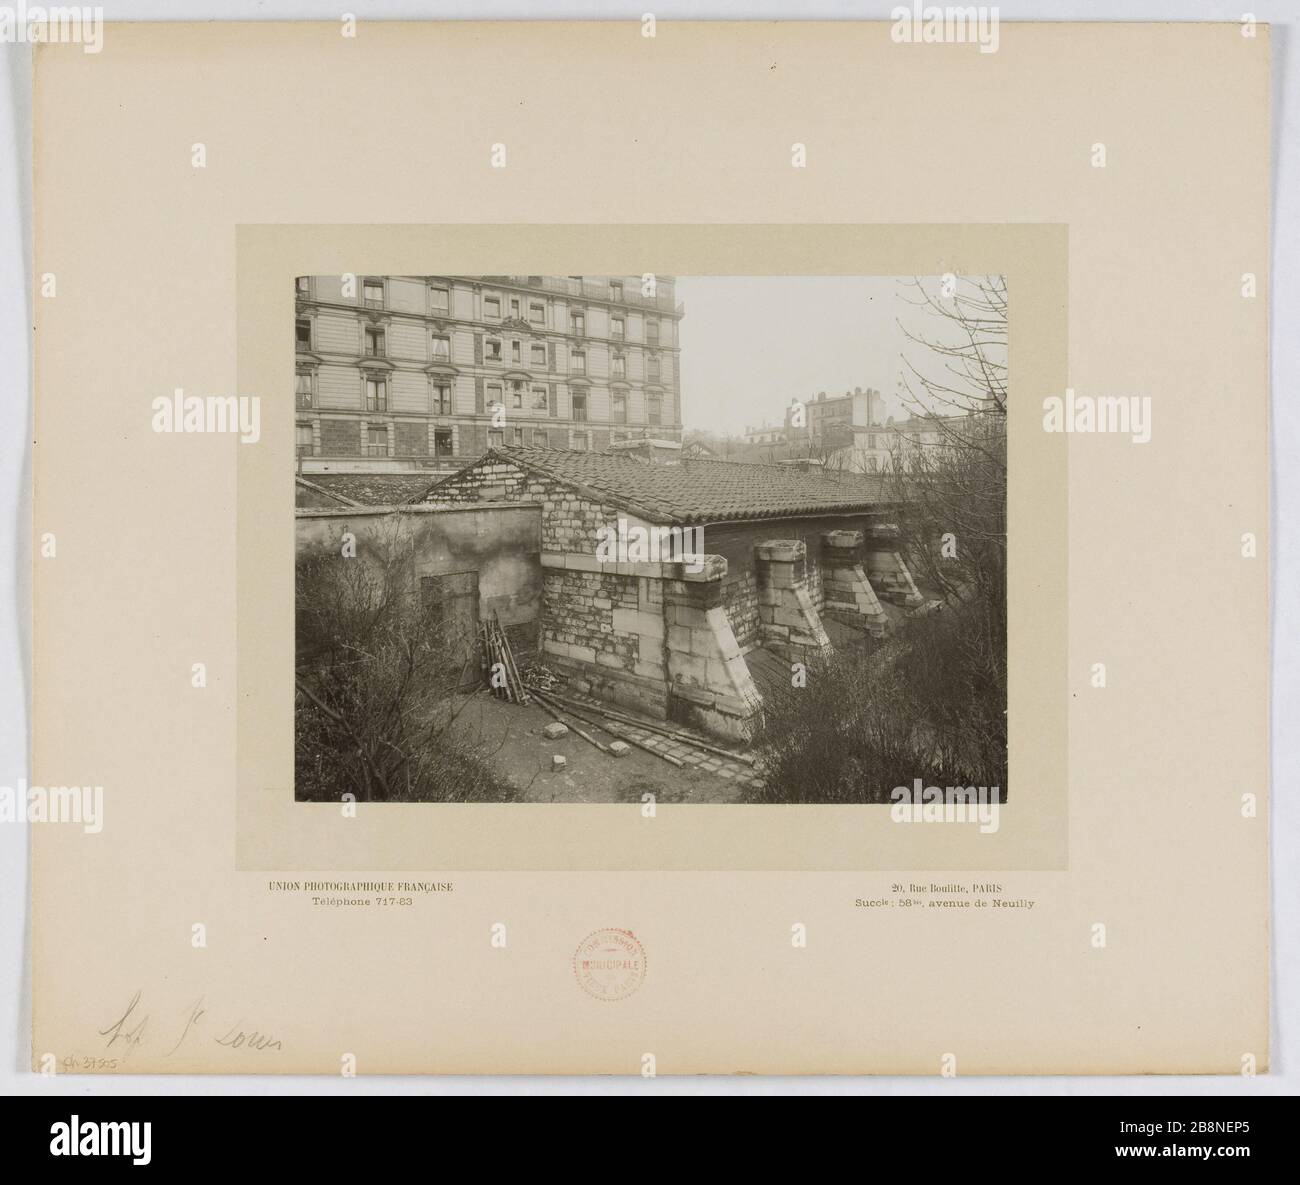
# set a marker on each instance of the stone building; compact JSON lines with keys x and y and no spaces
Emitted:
{"x":403,"y":373}
{"x":783,"y":553}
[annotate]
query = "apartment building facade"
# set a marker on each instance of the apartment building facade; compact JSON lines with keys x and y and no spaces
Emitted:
{"x":402,"y":373}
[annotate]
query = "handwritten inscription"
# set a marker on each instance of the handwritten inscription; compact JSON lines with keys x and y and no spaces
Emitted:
{"x":133,"y":1027}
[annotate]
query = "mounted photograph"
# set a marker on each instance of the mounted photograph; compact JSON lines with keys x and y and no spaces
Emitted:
{"x":683,"y":539}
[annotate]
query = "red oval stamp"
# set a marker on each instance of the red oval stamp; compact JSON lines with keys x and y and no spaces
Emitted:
{"x":610,"y":964}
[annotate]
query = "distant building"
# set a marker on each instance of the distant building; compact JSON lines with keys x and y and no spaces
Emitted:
{"x":765,"y":433}
{"x":897,"y":443}
{"x":849,"y":425}
{"x":404,"y":373}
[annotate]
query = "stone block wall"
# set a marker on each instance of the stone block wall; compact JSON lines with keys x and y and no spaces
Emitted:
{"x":605,"y":631}
{"x":813,"y":576}
{"x":740,"y":600}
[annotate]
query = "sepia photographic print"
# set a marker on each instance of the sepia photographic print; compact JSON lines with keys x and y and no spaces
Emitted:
{"x":647,"y":538}
{"x":702,"y":490}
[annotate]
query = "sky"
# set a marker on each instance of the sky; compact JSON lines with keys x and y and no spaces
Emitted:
{"x":750,"y":344}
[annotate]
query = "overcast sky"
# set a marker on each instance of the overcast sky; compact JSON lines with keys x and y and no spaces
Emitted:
{"x":750,"y":344}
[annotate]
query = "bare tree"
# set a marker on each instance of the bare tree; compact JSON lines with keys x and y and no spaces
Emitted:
{"x":949,"y":474}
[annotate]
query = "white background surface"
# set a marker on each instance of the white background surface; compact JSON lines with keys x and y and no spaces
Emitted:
{"x":16,"y":535}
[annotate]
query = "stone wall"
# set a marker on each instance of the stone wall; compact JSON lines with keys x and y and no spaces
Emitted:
{"x":605,"y":630}
{"x":740,"y":600}
{"x":499,"y":543}
{"x":813,"y":575}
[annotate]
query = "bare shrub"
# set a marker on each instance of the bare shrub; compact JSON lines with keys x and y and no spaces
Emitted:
{"x":375,"y":699}
{"x":849,"y":736}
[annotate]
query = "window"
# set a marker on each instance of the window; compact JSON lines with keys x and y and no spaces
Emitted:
{"x":441,"y":348}
{"x":514,"y":306}
{"x":439,"y":298}
{"x":579,"y":407}
{"x":652,"y":368}
{"x":539,"y":354}
{"x":616,"y":290}
{"x":374,"y":343}
{"x":652,"y":332}
{"x":372,"y":293}
{"x":653,"y":409}
{"x":517,"y":395}
{"x":616,"y":327}
{"x":494,"y":396}
{"x":302,"y":333}
{"x":618,"y":366}
{"x":518,"y":437}
{"x":493,"y":348}
{"x":577,"y":361}
{"x":496,"y":438}
{"x":304,"y":285}
{"x":442,"y":442}
{"x":515,"y":355}
{"x":539,"y":399}
{"x":618,"y":409}
{"x":442,"y":399}
{"x":581,"y":442}
{"x":577,"y":323}
{"x":492,"y":307}
{"x":539,"y":438}
{"x":376,"y":442}
{"x":376,"y":393}
{"x":303,"y":443}
{"x":303,"y":389}
{"x":537,"y":313}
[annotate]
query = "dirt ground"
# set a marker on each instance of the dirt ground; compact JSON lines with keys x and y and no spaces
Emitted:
{"x":511,"y":734}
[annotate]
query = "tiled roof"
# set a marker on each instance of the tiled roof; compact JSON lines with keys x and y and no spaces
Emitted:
{"x":371,"y":489}
{"x":698,"y":491}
